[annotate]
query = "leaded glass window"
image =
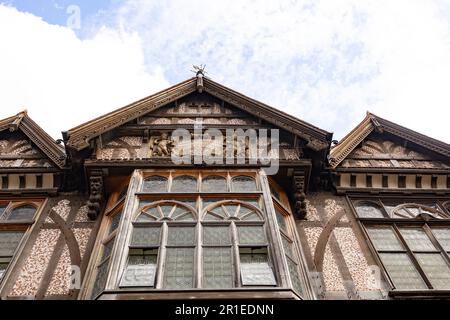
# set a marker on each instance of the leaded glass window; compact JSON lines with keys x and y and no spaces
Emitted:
{"x":13,"y":212}
{"x":443,"y":236}
{"x":155,"y":184}
{"x":289,"y":247}
{"x":9,"y":241}
{"x":17,"y":217}
{"x":141,"y":268}
{"x":217,"y":267}
{"x":168,"y":226}
{"x":243,"y":184}
{"x":184,"y":184}
{"x":402,"y":271}
{"x":214,"y":184}
{"x":255,"y":267}
{"x":412,"y":242}
{"x":205,"y":229}
{"x":369,"y":210}
{"x":179,"y":268}
{"x":103,"y":262}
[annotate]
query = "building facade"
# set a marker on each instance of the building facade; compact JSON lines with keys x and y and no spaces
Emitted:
{"x":201,"y":192}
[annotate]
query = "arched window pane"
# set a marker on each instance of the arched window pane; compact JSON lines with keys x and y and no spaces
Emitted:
{"x":231,"y":209}
{"x":149,"y":214}
{"x":184,"y":184}
{"x":243,"y":184}
{"x":166,"y":210}
{"x":214,"y":184}
{"x":248,"y":214}
{"x":368,"y":210}
{"x":155,"y":184}
{"x":25,"y":212}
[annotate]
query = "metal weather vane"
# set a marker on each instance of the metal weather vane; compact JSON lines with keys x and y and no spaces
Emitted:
{"x":199,"y":69}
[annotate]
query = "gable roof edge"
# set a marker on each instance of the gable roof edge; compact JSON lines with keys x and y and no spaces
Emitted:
{"x":37,"y":135}
{"x":79,"y":137}
{"x":347,"y":144}
{"x":372,"y":122}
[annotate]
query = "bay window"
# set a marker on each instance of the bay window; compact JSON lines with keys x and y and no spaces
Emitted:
{"x":210,"y":230}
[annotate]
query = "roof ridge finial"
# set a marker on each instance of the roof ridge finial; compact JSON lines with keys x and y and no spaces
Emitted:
{"x":200,"y":73}
{"x":199,"y":70}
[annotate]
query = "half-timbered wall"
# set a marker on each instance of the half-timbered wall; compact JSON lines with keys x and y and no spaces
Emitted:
{"x":54,"y":258}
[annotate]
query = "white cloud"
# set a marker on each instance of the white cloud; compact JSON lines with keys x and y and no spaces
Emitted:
{"x":326,"y":62}
{"x":63,"y":81}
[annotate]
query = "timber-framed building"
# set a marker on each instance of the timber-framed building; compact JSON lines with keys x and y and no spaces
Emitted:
{"x":105,"y":213}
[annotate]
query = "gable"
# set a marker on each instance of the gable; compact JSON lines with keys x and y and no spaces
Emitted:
{"x":378,"y":152}
{"x":17,"y":151}
{"x":376,"y":137}
{"x":138,"y":139}
{"x":23,"y":144}
{"x":211,"y":111}
{"x":79,"y":137}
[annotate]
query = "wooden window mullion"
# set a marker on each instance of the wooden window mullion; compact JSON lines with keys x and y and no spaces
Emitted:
{"x":236,"y":261}
{"x":161,"y":257}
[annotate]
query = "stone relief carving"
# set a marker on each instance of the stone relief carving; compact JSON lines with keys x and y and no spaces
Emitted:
{"x":161,"y":146}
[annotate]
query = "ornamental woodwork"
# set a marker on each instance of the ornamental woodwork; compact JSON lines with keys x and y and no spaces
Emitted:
{"x":298,"y":185}
{"x":96,"y":197}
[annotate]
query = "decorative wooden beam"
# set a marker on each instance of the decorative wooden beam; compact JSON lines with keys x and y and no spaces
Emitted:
{"x":298,"y":185}
{"x":96,"y":197}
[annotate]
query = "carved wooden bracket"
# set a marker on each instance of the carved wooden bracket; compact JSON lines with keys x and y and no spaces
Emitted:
{"x":298,"y":185}
{"x":96,"y":197}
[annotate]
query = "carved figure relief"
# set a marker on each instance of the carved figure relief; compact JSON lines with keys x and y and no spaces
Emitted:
{"x":96,"y":196}
{"x":161,"y":146}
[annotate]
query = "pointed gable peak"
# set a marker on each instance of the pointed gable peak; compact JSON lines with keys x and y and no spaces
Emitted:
{"x":373,"y":123}
{"x":80,"y":136}
{"x":22,"y":122}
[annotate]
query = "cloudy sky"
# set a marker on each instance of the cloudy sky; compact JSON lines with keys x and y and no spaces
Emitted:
{"x":326,"y":62}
